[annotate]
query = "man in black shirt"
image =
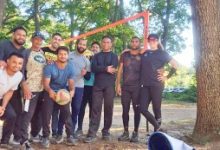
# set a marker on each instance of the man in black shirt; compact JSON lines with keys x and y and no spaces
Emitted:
{"x":6,"y":48}
{"x":104,"y":66}
{"x":129,"y":71}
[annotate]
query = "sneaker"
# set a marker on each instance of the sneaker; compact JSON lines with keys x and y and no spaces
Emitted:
{"x":26,"y":146}
{"x":15,"y":142}
{"x":106,"y":136}
{"x":134,"y":137}
{"x":124,"y":136}
{"x":59,"y":139}
{"x":36,"y":139}
{"x":79,"y":133}
{"x":70,"y":141}
{"x":53,"y":139}
{"x":5,"y":146}
{"x":89,"y":139}
{"x":45,"y":143}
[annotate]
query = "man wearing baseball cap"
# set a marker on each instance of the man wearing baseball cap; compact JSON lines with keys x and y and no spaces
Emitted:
{"x":34,"y":76}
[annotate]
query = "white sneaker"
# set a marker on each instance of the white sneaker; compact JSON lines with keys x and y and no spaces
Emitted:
{"x":36,"y":139}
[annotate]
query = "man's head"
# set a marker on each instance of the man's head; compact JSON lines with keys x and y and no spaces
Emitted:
{"x":56,"y":39}
{"x":135,"y":43}
{"x":62,"y":54}
{"x":106,"y":43}
{"x":15,"y":62}
{"x":19,"y":35}
{"x":37,"y":40}
{"x":95,"y":47}
{"x":81,"y":45}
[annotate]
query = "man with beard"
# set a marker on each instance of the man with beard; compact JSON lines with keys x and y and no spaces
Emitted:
{"x":104,"y":65}
{"x":57,"y":76}
{"x":10,"y":78}
{"x":81,"y":66}
{"x":129,"y":71}
{"x":50,"y":51}
{"x":88,"y":85}
{"x":6,"y":48}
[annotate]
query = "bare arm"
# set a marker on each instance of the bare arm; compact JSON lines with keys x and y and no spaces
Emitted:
{"x":5,"y":101}
{"x":26,"y":90}
{"x":118,"y":81}
{"x":46,"y":83}
{"x":71,"y":87}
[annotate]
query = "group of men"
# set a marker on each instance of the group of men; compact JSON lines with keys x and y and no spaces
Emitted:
{"x":36,"y":74}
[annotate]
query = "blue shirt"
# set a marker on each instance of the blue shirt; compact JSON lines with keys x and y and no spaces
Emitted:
{"x":58,"y":77}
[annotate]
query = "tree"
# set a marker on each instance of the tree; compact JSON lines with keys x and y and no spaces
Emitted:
{"x":2,"y":9}
{"x":206,"y":18}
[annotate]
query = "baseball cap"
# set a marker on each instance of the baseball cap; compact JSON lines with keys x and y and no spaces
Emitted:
{"x":153,"y":36}
{"x":38,"y":34}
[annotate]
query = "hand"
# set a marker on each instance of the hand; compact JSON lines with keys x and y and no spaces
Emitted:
{"x":83,"y":72}
{"x":142,"y":51}
{"x":27,"y":92}
{"x":2,"y":64}
{"x":111,"y":69}
{"x":52,"y":94}
{"x":161,"y":78}
{"x":160,"y":71}
{"x":118,"y":90}
{"x":2,"y":111}
{"x":72,"y":93}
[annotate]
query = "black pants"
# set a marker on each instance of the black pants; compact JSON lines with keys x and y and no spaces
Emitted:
{"x":154,"y":94}
{"x":87,"y":98}
{"x":9,"y":118}
{"x":130,"y":93}
{"x":13,"y":125}
{"x":47,"y":110}
{"x":36,"y":121}
{"x":99,"y":94}
{"x":27,"y":116}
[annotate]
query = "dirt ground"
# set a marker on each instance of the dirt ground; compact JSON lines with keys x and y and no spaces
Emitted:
{"x":178,"y":121}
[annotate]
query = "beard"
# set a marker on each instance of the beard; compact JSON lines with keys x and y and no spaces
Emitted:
{"x":19,"y":42}
{"x":80,"y":50}
{"x":134,"y":48}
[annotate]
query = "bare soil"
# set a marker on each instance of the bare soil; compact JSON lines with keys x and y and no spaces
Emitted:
{"x":178,"y":121}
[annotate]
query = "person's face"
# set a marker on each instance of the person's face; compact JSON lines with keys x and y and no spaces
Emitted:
{"x":106,"y":44}
{"x":36,"y":43}
{"x":19,"y":37}
{"x":15,"y":64}
{"x":81,"y":46}
{"x":153,"y":43}
{"x":95,"y":48}
{"x":135,"y":44}
{"x":62,"y":56}
{"x":55,"y":43}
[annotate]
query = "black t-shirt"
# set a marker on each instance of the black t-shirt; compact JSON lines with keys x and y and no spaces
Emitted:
{"x":151,"y":61}
{"x":99,"y":65}
{"x":131,"y":68}
{"x":7,"y":47}
{"x":49,"y":54}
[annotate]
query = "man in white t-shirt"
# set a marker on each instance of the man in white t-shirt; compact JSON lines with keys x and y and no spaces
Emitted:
{"x":9,"y":81}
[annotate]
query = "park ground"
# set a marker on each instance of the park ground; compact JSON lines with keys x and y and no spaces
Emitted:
{"x":178,"y":121}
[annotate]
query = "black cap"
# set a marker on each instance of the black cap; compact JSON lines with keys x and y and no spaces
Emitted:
{"x":38,"y":34}
{"x":153,"y":36}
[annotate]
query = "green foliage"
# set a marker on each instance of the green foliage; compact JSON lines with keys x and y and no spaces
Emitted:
{"x":189,"y":95}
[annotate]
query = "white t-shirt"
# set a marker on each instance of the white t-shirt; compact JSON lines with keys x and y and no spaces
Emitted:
{"x":8,"y":82}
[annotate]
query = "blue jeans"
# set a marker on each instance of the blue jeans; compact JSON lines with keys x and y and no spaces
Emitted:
{"x":75,"y":105}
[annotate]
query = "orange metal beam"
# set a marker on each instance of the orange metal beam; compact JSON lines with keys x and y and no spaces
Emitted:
{"x":144,"y":14}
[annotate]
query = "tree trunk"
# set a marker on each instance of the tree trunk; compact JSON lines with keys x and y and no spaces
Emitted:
{"x":207,"y":53}
{"x":36,"y":16}
{"x":165,"y":23}
{"x":2,"y":9}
